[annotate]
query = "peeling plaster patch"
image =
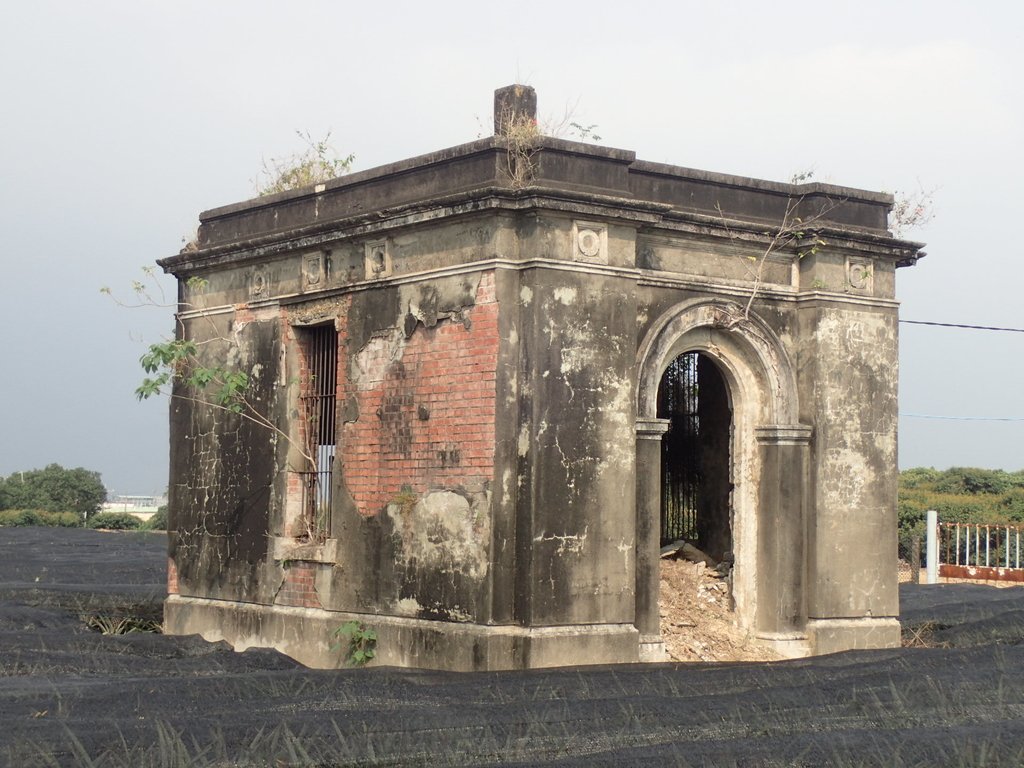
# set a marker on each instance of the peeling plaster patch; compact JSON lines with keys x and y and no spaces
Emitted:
{"x":506,"y":486}
{"x":581,"y":356}
{"x":850,"y":473}
{"x":569,"y":543}
{"x":524,"y":440}
{"x":617,"y":411}
{"x":455,"y":613}
{"x":859,"y":401}
{"x":408,"y":606}
{"x":526,"y":295}
{"x":372,"y":361}
{"x":626,"y":549}
{"x":566,"y":295}
{"x":444,"y":534}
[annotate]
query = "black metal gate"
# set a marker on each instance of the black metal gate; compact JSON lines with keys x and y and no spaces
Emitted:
{"x":680,"y":469}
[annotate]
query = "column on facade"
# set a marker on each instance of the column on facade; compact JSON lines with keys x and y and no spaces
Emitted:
{"x":648,"y":526}
{"x":782,"y":529}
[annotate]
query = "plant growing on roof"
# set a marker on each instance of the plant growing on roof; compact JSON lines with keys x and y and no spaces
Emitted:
{"x":318,"y":163}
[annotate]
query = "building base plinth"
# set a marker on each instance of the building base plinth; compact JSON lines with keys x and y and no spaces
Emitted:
{"x":835,"y":635}
{"x":652,"y":649}
{"x":787,"y":645}
{"x":307,"y":634}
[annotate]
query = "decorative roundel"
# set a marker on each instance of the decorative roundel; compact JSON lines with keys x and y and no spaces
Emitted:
{"x":259,"y":283}
{"x":859,"y":275}
{"x":589,"y":243}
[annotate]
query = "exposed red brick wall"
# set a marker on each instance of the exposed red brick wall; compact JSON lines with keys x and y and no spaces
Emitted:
{"x":299,"y":588}
{"x":243,"y":314}
{"x":172,"y":576}
{"x":426,"y":407}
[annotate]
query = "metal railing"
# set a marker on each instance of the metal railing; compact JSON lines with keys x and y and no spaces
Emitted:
{"x":974,"y":551}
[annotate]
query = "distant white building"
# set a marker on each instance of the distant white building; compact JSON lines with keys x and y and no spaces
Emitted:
{"x":140,"y":506}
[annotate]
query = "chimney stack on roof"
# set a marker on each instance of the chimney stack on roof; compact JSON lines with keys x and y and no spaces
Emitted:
{"x":512,"y":104}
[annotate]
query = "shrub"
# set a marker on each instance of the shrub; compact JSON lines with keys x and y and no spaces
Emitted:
{"x":115,"y":521}
{"x":18,"y":517}
{"x":158,"y":522}
{"x":62,"y":519}
{"x":971,"y":480}
{"x":1012,"y":505}
{"x":319,"y":162}
{"x":919,"y":477}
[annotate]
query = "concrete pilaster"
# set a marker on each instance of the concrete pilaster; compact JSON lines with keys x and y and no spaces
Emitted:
{"x":782,"y":526}
{"x":648,"y":518}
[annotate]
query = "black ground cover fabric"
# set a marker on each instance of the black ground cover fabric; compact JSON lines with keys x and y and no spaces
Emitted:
{"x":70,"y":696}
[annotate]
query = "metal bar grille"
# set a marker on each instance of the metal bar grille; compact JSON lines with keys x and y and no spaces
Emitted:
{"x":677,"y":400}
{"x":319,"y":395}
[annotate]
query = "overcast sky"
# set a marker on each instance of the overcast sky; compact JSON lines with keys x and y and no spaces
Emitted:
{"x":122,"y":120}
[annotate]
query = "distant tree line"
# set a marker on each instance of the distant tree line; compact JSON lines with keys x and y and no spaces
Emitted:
{"x":63,"y":497}
{"x":959,"y":495}
{"x":54,"y":489}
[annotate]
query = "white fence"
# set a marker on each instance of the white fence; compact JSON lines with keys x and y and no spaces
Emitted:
{"x":973,"y":551}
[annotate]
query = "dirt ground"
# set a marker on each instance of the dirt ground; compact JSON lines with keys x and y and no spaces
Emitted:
{"x":76,"y":697}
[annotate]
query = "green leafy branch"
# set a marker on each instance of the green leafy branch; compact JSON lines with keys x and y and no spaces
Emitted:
{"x":175,"y":359}
{"x":179,"y":361}
{"x":359,"y":643}
{"x":792,"y":231}
{"x":584,"y":132}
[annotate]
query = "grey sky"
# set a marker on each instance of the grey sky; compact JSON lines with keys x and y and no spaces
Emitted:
{"x":122,"y":120}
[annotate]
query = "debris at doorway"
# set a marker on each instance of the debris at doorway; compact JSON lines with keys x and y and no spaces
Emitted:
{"x":697,"y":621}
{"x":687,"y":551}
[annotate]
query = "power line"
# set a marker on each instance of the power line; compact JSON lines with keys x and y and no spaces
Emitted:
{"x":961,"y":325}
{"x":961,"y":418}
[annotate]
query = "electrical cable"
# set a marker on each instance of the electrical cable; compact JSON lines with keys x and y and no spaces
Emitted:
{"x":960,"y":418}
{"x":973,"y":328}
{"x":961,"y":325}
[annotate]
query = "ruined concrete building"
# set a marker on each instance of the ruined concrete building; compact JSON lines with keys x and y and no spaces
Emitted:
{"x":497,"y":378}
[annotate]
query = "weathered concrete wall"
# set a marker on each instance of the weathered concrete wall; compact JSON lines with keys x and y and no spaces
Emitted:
{"x":576,"y":449}
{"x":849,"y":388}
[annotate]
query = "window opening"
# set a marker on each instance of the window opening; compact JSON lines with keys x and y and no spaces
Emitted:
{"x":318,"y":396}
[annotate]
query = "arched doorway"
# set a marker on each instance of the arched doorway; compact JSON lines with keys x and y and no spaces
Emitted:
{"x":696,"y":484}
{"x":761,"y":467}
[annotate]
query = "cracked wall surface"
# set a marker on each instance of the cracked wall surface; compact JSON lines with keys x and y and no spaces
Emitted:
{"x":850,"y":383}
{"x":575,"y":448}
{"x":226,"y":478}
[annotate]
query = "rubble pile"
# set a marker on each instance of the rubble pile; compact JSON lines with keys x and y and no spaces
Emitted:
{"x":697,"y":619}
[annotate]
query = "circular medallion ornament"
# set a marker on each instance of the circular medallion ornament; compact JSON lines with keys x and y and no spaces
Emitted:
{"x":860,"y":275}
{"x":589,"y":243}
